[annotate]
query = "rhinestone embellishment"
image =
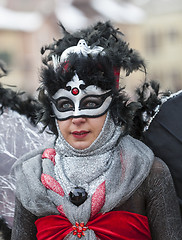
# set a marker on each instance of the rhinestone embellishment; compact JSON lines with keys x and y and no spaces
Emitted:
{"x":79,"y":229}
{"x":75,"y":91}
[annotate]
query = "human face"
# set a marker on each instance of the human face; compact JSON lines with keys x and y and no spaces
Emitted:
{"x":80,"y":132}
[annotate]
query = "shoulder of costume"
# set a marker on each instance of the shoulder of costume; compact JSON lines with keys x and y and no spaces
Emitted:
{"x":29,"y":188}
{"x":34,"y":156}
{"x":159,"y":168}
{"x":138,"y":145}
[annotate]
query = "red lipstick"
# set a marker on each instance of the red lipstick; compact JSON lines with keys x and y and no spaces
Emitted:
{"x":80,"y":134}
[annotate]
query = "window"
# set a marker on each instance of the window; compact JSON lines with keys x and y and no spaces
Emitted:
{"x":173,"y":35}
{"x":152,"y":42}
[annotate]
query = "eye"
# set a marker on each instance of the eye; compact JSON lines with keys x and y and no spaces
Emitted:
{"x":64,"y":105}
{"x":91,"y":102}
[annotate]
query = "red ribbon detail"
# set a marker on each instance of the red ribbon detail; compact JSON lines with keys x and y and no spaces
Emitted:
{"x":115,"y":225}
{"x":50,"y":183}
{"x":49,"y":153}
{"x":98,"y":199}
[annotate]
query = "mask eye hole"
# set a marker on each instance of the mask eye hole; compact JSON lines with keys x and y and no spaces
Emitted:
{"x":91,"y":102}
{"x":64,"y":104}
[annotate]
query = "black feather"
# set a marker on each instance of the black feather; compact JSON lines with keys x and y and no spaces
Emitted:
{"x":5,"y":230}
{"x":149,"y":98}
{"x":17,"y":101}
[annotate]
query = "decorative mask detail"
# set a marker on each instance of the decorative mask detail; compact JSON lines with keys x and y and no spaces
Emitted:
{"x":77,"y":100}
{"x":80,"y":49}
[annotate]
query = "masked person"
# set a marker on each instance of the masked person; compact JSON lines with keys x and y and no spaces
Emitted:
{"x":164,"y":137}
{"x":96,"y":182}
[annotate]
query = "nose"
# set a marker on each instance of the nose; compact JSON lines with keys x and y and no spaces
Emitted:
{"x":78,"y":121}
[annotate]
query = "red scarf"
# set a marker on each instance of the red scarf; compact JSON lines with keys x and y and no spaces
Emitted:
{"x":115,"y":225}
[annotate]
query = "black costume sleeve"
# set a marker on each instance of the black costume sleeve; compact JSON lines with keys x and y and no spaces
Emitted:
{"x":23,"y":226}
{"x":162,"y":208}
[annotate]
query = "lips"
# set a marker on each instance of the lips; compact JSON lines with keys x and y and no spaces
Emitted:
{"x":80,"y":134}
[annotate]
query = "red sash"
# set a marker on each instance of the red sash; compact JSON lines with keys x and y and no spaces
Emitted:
{"x":115,"y":225}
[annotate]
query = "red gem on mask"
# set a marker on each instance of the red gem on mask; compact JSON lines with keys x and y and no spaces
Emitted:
{"x":75,"y":91}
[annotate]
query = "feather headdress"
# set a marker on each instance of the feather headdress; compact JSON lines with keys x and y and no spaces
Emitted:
{"x":96,"y":54}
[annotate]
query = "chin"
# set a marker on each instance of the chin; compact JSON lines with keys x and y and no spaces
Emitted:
{"x":80,"y":146}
